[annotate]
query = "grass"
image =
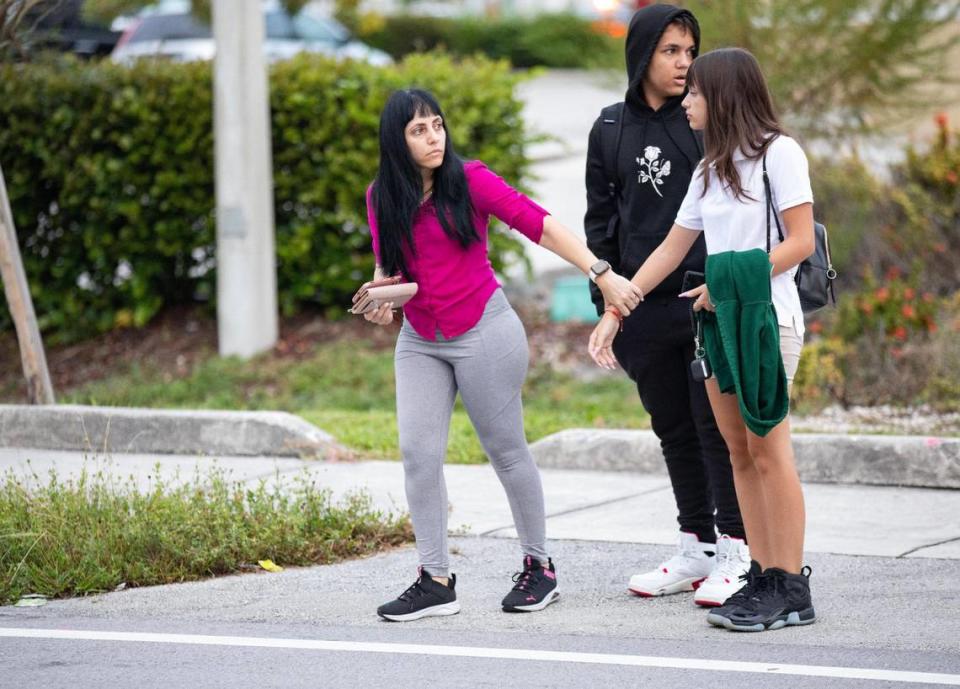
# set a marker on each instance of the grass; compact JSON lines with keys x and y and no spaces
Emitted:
{"x":347,"y":388}
{"x":88,"y":535}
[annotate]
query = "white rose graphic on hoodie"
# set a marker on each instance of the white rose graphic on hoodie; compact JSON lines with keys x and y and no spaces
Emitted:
{"x":652,"y":168}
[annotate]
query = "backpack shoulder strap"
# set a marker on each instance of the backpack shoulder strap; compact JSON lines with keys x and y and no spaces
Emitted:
{"x":611,"y":132}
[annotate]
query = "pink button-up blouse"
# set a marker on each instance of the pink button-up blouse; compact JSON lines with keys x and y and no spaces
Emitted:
{"x":456,"y":283}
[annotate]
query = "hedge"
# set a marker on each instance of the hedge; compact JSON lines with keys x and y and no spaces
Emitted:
{"x":559,"y":40}
{"x":110,"y":176}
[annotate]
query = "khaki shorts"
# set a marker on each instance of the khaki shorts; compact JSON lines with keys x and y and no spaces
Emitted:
{"x":791,"y":342}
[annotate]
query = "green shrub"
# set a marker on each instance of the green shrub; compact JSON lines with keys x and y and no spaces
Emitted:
{"x":887,"y":344}
{"x":551,"y":40}
{"x":852,"y":203}
{"x":893,"y":307}
{"x":926,"y":193}
{"x":110,"y":175}
{"x":918,"y":227}
{"x":819,"y":380}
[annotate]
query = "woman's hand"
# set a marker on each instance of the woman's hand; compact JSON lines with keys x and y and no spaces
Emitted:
{"x":619,"y":292}
{"x":702,"y":297}
{"x":383,"y":315}
{"x":601,"y":341}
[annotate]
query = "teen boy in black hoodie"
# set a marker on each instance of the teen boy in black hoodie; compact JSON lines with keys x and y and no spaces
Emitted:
{"x":640,"y":158}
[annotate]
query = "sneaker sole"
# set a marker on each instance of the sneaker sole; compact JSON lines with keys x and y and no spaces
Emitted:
{"x":679,"y":587}
{"x":708,"y":602}
{"x":794,"y":619}
{"x":451,"y":608}
{"x":705,"y":600}
{"x":550,"y":598}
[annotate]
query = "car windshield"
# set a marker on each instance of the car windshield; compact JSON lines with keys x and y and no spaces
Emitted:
{"x":309,"y":27}
{"x":279,"y":26}
{"x":167,"y":27}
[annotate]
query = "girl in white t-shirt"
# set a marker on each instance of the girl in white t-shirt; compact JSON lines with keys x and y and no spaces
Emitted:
{"x":728,"y":99}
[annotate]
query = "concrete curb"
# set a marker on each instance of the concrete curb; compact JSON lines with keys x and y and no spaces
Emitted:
{"x":882,"y":460}
{"x":105,"y":430}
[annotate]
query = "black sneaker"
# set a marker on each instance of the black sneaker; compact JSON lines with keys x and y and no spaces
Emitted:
{"x":718,"y":616}
{"x":783,"y":600}
{"x":425,"y":598}
{"x":536,"y":587}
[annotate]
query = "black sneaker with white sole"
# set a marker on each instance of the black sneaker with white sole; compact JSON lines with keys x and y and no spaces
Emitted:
{"x":782,"y":601}
{"x":425,"y":598}
{"x":535,"y":588}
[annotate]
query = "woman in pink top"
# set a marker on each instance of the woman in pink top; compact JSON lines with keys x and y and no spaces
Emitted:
{"x":428,"y":213}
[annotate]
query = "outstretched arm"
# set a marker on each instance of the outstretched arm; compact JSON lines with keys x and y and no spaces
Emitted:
{"x":617,"y":290}
{"x":665,"y":259}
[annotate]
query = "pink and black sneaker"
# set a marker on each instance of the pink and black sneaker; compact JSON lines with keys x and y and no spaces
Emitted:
{"x":535,"y":588}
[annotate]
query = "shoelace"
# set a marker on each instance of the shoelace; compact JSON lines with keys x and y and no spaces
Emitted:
{"x":747,"y":580}
{"x":524,"y":580}
{"x":762,"y":583}
{"x":412,"y":592}
{"x":729,"y":562}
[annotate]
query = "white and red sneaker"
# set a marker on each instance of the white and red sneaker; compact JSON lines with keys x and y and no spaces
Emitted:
{"x":682,"y":572}
{"x":732,"y":561}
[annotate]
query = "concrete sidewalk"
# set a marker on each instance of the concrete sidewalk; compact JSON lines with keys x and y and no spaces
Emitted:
{"x":581,"y":504}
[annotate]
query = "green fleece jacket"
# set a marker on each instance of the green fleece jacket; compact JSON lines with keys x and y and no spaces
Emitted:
{"x":742,"y":338}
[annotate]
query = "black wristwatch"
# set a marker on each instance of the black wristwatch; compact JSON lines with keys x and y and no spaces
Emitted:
{"x":598,"y":269}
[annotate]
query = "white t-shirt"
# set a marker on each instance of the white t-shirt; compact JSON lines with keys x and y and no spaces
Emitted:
{"x":731,"y":224}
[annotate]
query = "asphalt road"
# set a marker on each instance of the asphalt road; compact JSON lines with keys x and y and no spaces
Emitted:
{"x":882,"y":621}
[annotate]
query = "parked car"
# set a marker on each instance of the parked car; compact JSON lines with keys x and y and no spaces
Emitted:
{"x":60,"y":27}
{"x":182,"y":37}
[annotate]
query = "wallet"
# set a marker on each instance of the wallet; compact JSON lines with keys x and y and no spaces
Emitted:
{"x":376,"y":292}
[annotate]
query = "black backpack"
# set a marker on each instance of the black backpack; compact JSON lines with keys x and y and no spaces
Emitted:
{"x":611,"y":132}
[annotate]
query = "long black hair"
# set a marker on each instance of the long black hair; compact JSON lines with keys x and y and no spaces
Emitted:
{"x":398,"y":187}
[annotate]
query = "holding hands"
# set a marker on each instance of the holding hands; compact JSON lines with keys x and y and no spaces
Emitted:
{"x":621,"y":297}
{"x":619,"y":292}
{"x":601,"y":339}
{"x":600,"y":346}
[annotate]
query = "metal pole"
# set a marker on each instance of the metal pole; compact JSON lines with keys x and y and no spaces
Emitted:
{"x":39,"y":387}
{"x":246,"y":263}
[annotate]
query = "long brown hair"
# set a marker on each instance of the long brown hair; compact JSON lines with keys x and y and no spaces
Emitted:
{"x":740,"y":113}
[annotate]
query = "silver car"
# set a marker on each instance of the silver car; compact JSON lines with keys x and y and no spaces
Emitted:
{"x":181,"y":37}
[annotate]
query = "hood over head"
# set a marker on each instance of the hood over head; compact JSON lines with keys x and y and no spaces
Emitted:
{"x":646,"y":27}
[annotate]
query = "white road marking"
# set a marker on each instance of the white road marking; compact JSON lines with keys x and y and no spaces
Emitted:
{"x":534,"y":655}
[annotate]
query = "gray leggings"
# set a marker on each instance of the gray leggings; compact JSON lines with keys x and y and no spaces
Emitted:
{"x":487,"y":365}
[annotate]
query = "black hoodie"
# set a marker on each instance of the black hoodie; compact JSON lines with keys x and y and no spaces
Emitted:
{"x":658,"y":153}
